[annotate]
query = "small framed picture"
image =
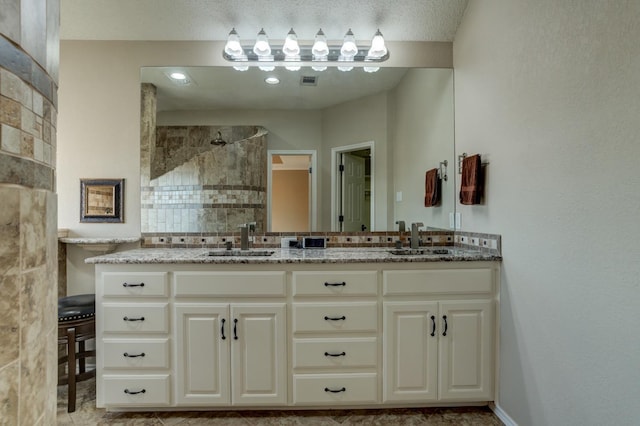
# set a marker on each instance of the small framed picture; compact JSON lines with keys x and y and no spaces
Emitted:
{"x":102,"y":200}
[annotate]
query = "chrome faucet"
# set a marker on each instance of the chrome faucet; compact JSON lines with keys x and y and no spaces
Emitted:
{"x":415,"y":234}
{"x":401,"y":225}
{"x":245,"y":230}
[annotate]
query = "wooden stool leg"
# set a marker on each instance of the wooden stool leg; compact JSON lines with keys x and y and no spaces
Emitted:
{"x":71,"y":367}
{"x":81,"y":361}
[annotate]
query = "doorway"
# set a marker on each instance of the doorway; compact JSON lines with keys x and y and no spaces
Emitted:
{"x":291,"y":191}
{"x":352,"y":188}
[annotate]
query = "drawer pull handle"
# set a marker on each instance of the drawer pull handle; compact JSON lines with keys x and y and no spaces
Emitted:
{"x":132,"y":285}
{"x":342,"y":389}
{"x":134,"y":356}
{"x":342,"y":318}
{"x":343,"y":284}
{"x":433,"y":325}
{"x":222,"y":329}
{"x":127,"y":391}
{"x":340,"y":354}
{"x":235,"y":329}
{"x":444,"y":333}
{"x":133,"y":319}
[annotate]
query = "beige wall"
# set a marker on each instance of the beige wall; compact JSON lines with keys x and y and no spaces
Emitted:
{"x":549,"y":93}
{"x":290,"y":200}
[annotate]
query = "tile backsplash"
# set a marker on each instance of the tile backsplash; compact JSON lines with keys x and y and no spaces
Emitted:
{"x":469,"y":240}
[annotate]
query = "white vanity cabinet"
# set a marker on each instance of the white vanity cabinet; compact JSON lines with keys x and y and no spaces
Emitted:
{"x":230,"y":352}
{"x":335,"y":337}
{"x":132,"y":345}
{"x":438,"y":335}
{"x":297,"y":335}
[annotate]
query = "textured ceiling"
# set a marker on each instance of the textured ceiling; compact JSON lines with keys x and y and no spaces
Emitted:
{"x":399,"y":20}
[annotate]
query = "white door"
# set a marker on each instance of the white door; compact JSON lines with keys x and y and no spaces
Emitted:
{"x":258,"y":354}
{"x":353,"y":187}
{"x":202,"y":354}
{"x":466,"y":350}
{"x":411,"y":351}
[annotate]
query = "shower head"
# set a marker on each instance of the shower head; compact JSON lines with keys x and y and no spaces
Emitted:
{"x":218,"y":140}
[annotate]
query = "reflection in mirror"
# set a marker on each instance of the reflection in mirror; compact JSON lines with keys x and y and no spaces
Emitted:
{"x":101,"y":200}
{"x":406,"y":114}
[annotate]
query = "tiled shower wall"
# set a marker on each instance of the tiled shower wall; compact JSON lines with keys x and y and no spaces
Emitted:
{"x":189,"y":184}
{"x":28,"y":211}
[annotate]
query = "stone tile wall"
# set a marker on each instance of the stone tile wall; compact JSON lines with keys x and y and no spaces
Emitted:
{"x":28,"y":211}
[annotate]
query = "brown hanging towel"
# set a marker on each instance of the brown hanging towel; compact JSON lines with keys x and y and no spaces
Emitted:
{"x":470,"y":184}
{"x":431,"y":188}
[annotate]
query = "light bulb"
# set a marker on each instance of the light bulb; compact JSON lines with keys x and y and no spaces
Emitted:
{"x":378,"y":48}
{"x":262,"y":48}
{"x":349,"y":48}
{"x":233,"y":47}
{"x":291,"y":47}
{"x":320,"y":48}
{"x":177,"y":75}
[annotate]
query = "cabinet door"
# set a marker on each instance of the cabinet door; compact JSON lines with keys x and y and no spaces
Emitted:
{"x":258,"y":354}
{"x":466,"y":350}
{"x":410,"y":346}
{"x":202,"y":354}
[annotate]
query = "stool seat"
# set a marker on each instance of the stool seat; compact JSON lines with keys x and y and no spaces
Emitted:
{"x":76,"y":324}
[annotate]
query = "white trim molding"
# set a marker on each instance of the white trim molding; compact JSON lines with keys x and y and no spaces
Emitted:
{"x":502,"y":415}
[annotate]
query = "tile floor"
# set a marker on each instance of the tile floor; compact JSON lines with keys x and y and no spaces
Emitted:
{"x":87,"y":414}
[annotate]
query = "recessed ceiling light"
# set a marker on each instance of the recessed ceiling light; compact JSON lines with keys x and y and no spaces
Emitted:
{"x":178,"y":76}
{"x":272,"y":80}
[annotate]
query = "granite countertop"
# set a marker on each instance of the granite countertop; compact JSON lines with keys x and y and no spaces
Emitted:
{"x":281,"y":256}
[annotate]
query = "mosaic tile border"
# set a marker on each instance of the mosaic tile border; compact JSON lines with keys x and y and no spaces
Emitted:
{"x":488,"y":243}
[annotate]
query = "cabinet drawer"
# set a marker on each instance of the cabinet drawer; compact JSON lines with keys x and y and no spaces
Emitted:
{"x":143,"y":390}
{"x":469,"y":281}
{"x":332,"y":353}
{"x":136,"y":353}
{"x":335,"y":283}
{"x":135,"y":284}
{"x":332,"y":317}
{"x":135,"y":317}
{"x":237,"y":284}
{"x":312,"y":389}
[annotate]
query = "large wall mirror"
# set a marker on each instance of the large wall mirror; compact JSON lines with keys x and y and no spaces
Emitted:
{"x":402,"y":116}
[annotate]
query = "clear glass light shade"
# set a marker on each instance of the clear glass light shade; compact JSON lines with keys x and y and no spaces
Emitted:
{"x":262,"y":48}
{"x":233,"y":47}
{"x":319,"y":68}
{"x":295,"y":63}
{"x":378,"y":48}
{"x":320,"y":47}
{"x":291,"y":47}
{"x":349,"y":47}
{"x":370,"y":69}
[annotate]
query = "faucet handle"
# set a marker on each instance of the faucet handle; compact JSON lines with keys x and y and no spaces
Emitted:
{"x":418,"y":224}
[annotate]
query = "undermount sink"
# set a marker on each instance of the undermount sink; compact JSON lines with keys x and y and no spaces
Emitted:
{"x":417,"y":252}
{"x":240,"y":253}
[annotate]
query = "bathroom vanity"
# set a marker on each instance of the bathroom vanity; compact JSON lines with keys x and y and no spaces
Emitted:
{"x":178,"y":329}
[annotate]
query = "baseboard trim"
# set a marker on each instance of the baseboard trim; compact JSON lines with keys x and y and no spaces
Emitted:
{"x":502,"y":415}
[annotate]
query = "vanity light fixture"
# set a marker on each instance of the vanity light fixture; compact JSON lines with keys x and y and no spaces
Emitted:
{"x":293,"y":55}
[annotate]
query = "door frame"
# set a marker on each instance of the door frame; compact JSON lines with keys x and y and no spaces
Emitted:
{"x":335,"y":191}
{"x":313,"y":191}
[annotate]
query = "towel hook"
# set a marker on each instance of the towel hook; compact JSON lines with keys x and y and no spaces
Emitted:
{"x":443,"y":170}
{"x":460,"y":160}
